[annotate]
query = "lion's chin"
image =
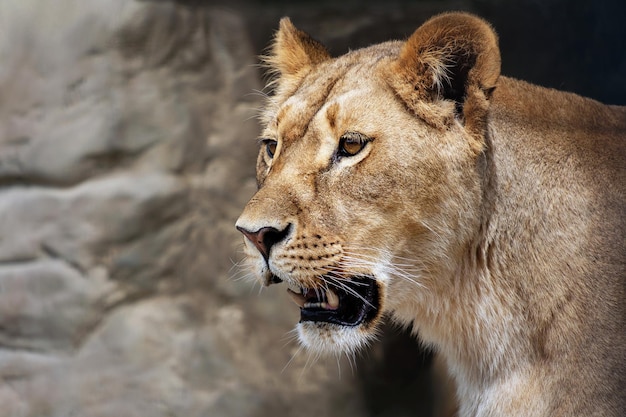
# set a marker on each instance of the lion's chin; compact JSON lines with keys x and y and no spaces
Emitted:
{"x":328,"y":338}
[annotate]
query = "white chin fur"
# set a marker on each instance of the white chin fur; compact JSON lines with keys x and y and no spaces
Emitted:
{"x":327,"y":338}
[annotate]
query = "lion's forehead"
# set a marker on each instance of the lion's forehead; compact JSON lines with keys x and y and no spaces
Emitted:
{"x":361,"y":109}
{"x":339,"y":87}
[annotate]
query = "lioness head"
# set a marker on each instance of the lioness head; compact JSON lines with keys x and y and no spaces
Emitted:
{"x":369,"y":175}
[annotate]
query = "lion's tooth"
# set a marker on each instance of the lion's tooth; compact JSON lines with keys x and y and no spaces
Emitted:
{"x":297,"y":298}
{"x":333,"y":299}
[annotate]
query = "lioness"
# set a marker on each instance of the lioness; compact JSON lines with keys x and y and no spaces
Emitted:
{"x":410,"y":178}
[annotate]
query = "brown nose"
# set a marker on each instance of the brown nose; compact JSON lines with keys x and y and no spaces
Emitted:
{"x":265,"y":238}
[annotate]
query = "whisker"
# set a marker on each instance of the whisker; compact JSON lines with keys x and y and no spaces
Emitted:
{"x":309,"y":363}
{"x":338,"y":359}
{"x":340,"y":274}
{"x":290,"y":337}
{"x":410,"y":274}
{"x":351,"y":250}
{"x":241,"y":271}
{"x":347,"y":289}
{"x":351,"y":357}
{"x":397,"y":265}
{"x":350,"y":261}
{"x":236,"y":264}
{"x":292,"y":358}
{"x":335,"y":272}
{"x":360,"y":252}
{"x":258,"y":93}
{"x":243,"y":276}
{"x":342,"y":271}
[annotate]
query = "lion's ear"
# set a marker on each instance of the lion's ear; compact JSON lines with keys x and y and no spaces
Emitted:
{"x":294,"y":50}
{"x":452,"y":57}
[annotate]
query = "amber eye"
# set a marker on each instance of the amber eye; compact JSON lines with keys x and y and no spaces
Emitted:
{"x":351,"y":144}
{"x":270,"y":147}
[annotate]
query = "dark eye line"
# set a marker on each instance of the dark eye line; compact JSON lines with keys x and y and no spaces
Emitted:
{"x":270,"y":146}
{"x":356,"y":136}
{"x":351,"y":144}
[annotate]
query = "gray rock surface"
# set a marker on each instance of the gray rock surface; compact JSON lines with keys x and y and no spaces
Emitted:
{"x":126,"y":153}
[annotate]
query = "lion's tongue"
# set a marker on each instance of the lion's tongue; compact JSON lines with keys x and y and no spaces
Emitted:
{"x":311,"y":299}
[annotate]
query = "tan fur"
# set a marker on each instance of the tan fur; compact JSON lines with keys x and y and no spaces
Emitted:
{"x":490,"y":211}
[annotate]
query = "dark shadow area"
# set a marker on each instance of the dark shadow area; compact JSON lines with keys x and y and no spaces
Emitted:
{"x":395,"y":375}
{"x":575,"y":45}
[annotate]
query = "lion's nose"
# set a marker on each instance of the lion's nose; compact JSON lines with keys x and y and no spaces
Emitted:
{"x":265,"y":238}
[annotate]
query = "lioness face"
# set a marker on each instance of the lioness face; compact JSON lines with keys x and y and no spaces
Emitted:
{"x":361,"y":205}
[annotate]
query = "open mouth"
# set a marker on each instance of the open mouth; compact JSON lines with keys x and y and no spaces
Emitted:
{"x":347,"y":303}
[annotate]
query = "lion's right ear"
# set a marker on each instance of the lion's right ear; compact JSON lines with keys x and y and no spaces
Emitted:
{"x":294,"y":51}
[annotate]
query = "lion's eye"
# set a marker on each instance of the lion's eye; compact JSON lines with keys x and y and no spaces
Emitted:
{"x":270,"y":147}
{"x":351,"y":144}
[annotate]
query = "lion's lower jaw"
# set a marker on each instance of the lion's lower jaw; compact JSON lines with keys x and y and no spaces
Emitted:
{"x":328,"y":338}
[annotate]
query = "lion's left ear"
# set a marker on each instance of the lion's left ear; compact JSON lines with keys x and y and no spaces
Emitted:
{"x":453,"y":59}
{"x":294,"y":51}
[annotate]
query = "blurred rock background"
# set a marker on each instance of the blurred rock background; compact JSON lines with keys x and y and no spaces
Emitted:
{"x":127,"y":152}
